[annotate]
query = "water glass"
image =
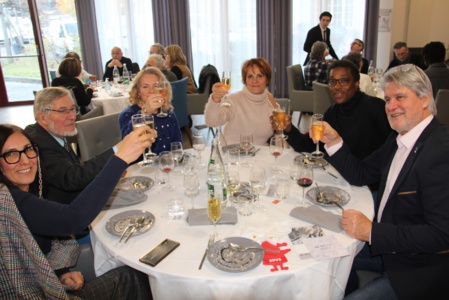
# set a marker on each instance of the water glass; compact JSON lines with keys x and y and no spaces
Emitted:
{"x":234,"y":156}
{"x":282,"y":187}
{"x":176,"y":208}
{"x":245,"y":204}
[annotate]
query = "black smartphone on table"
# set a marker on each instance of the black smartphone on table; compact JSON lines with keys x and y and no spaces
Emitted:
{"x":158,"y":253}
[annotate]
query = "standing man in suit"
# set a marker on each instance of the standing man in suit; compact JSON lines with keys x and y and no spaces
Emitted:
{"x":117,"y":60}
{"x":320,"y":33}
{"x":408,"y":241}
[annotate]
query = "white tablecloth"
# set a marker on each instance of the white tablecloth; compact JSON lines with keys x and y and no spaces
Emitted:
{"x":178,"y":277}
{"x":110,"y":104}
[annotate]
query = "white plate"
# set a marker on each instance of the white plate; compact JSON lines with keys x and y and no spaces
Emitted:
{"x":116,"y":224}
{"x":330,"y":192}
{"x":135,"y":183}
{"x":225,"y":259}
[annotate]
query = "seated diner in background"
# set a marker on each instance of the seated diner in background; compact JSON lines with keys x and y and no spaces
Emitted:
{"x":176,"y":62}
{"x":117,"y":60}
{"x":249,"y":110}
{"x":408,"y":242}
{"x":84,"y":77}
{"x":316,"y":68}
{"x":70,"y":68}
{"x":145,"y":100}
{"x":157,"y":61}
{"x":37,"y":247}
{"x":366,"y":85}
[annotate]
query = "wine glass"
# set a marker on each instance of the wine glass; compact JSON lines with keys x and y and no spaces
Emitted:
{"x":226,"y":81}
{"x":199,"y":143}
{"x":149,"y":120}
{"x":246,"y":143}
{"x":317,"y":133}
{"x":305,"y":178}
{"x":279,"y":115}
{"x":166,"y":165}
{"x":139,"y":121}
{"x":276,"y":149}
{"x":257,"y":181}
{"x":232,"y":183}
{"x":160,"y":87}
{"x":176,"y":151}
{"x":214,"y":212}
{"x":191,"y":186}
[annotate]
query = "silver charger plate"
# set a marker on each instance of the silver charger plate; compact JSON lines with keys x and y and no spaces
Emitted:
{"x":225,"y":259}
{"x":117,"y":223}
{"x":242,"y":151}
{"x":310,"y":160}
{"x":136,"y":183}
{"x":333,"y":193}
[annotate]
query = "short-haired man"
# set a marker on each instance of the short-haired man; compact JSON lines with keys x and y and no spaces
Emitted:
{"x":357,"y":46}
{"x":322,"y":33}
{"x":408,"y":241}
{"x":117,"y":60}
{"x":157,"y":61}
{"x":403,"y":56}
{"x":65,"y":176}
{"x":315,"y":69}
{"x":437,"y":70}
{"x":158,"y":49}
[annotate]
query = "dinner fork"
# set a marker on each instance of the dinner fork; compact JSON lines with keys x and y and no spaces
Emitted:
{"x":132,"y":221}
{"x":140,"y":222}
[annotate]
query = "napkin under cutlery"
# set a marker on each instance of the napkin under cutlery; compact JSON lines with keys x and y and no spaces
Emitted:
{"x":316,"y":215}
{"x":121,"y":198}
{"x":199,"y":216}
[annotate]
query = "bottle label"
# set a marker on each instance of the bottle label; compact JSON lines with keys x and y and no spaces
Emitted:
{"x":211,"y":191}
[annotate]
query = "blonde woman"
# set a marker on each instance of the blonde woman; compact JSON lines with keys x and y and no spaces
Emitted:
{"x":176,"y":62}
{"x":145,"y":100}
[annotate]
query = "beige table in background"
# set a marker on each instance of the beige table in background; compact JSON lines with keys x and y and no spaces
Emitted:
{"x":110,"y":104}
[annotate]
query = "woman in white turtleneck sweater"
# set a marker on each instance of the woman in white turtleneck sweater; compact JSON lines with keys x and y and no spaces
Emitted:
{"x":250,"y":109}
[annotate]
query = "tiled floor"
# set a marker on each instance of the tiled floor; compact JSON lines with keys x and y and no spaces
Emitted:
{"x":23,"y":115}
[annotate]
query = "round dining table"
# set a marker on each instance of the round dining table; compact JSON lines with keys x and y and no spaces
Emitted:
{"x":178,"y":275}
{"x":111,"y":102}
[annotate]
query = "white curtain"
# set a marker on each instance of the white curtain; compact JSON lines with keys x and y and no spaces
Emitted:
{"x":127,"y":24}
{"x":223,"y":35}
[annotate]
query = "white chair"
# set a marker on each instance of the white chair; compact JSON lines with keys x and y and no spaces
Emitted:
{"x":96,"y":135}
{"x":300,"y":99}
{"x":322,"y":97}
{"x":442,"y":103}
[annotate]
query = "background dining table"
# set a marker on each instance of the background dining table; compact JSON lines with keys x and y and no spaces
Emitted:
{"x":110,"y":104}
{"x":178,"y":276}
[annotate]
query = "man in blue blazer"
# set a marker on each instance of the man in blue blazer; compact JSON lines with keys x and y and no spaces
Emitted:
{"x":320,"y":33}
{"x":408,"y":241}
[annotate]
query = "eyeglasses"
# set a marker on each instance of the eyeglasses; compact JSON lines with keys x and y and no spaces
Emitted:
{"x":65,"y":111}
{"x":13,"y":157}
{"x":341,"y":81}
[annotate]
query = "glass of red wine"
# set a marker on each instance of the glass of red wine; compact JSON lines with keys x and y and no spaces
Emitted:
{"x":166,"y":164}
{"x":305,"y":179}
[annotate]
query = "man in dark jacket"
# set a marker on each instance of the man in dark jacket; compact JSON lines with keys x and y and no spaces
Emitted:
{"x":117,"y":60}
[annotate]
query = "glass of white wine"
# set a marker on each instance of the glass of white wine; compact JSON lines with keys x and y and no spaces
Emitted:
{"x":226,"y":81}
{"x":160,"y":87}
{"x":232,"y":184}
{"x":317,"y":133}
{"x":139,"y":121}
{"x":149,"y":120}
{"x":177,"y":151}
{"x":214,"y":212}
{"x":199,"y":143}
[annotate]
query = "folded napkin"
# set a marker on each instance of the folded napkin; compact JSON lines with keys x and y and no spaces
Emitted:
{"x":316,"y":215}
{"x":199,"y":216}
{"x":120,"y":198}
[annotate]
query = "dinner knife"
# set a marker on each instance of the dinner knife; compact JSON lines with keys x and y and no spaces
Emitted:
{"x":209,"y":244}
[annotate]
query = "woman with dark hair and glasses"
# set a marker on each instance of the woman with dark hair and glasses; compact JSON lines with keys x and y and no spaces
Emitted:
{"x":35,"y":234}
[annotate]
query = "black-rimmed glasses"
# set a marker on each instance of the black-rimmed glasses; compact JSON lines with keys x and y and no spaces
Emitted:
{"x":65,"y":111}
{"x":341,"y":81}
{"x":13,"y":156}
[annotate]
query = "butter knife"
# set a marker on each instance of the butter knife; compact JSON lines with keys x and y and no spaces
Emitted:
{"x":209,"y":244}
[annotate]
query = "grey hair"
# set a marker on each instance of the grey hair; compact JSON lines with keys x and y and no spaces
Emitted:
{"x":44,"y":98}
{"x":158,"y":60}
{"x":160,"y":49}
{"x":318,"y":49}
{"x":414,"y":78}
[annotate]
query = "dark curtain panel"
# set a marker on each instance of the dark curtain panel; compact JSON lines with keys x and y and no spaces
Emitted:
{"x":90,"y":46}
{"x":172,"y":25}
{"x":371,"y":29}
{"x":274,"y":41}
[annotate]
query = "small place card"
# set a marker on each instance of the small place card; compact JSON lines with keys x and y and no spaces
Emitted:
{"x":325,"y":247}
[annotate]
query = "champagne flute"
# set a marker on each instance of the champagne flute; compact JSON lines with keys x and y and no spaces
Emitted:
{"x":226,"y":81}
{"x":160,"y":87}
{"x":149,"y":120}
{"x":139,"y":121}
{"x":214,"y":211}
{"x":191,"y":186}
{"x":317,"y":133}
{"x":176,"y":150}
{"x":257,"y":181}
{"x":246,"y":143}
{"x":232,"y":183}
{"x":166,"y":165}
{"x":279,"y":114}
{"x":276,"y":149}
{"x":199,"y":143}
{"x":305,"y":179}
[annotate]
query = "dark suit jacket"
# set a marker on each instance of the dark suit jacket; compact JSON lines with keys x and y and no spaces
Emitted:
{"x":315,"y":35}
{"x":108,"y":71}
{"x":415,"y":221}
{"x":365,"y":66}
{"x":63,"y":177}
{"x":82,"y":96}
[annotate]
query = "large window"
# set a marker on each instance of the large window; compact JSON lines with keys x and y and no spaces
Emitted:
{"x":223,"y":35}
{"x":348,"y":17}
